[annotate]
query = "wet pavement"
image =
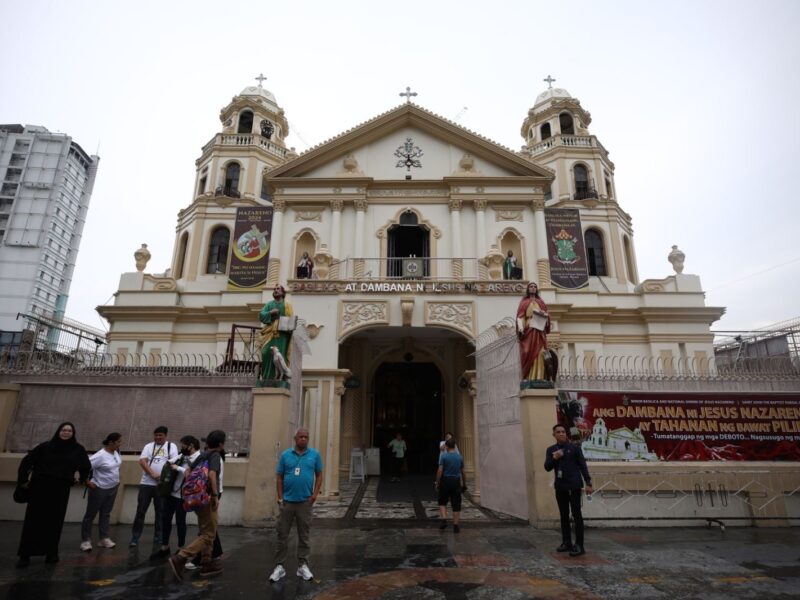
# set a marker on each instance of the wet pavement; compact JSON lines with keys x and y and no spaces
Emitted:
{"x":369,"y":557}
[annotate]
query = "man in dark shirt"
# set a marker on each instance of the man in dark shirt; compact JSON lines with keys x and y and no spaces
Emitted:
{"x":208,"y":516}
{"x":571,"y":471}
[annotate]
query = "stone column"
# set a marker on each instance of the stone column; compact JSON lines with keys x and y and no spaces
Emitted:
{"x":468,"y":436}
{"x":274,"y":271}
{"x":361,"y":209}
{"x":537,"y":415}
{"x":335,"y":236}
{"x":268,"y":438}
{"x":457,"y":266}
{"x":480,"y":227}
{"x":540,"y":234}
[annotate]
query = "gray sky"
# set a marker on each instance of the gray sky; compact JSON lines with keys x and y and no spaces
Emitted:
{"x":695,"y":102}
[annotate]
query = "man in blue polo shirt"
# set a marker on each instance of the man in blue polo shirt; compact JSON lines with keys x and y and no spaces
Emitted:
{"x":298,"y":481}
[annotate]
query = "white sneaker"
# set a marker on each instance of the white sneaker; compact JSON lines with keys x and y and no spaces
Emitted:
{"x":304,"y":572}
{"x":86,"y":546}
{"x":190,"y":566}
{"x":106,"y":543}
{"x":279,"y":573}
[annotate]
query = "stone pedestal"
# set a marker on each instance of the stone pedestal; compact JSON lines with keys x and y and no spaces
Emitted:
{"x":537,"y":409}
{"x":268,"y":438}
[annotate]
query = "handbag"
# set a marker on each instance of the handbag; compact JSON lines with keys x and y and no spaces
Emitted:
{"x":166,"y":481}
{"x":22,"y":493}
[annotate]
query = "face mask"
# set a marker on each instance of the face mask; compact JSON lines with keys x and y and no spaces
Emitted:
{"x":186,"y":451}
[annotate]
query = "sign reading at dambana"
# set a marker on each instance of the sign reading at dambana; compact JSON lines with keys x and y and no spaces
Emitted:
{"x":251,"y":241}
{"x":565,"y":248}
{"x":681,"y":427}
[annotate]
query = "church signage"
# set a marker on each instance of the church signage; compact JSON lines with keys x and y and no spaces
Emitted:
{"x":251,"y":243}
{"x":684,"y":427}
{"x":565,"y":248}
{"x":319,"y":286}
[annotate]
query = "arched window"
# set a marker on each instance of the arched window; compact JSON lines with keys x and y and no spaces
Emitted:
{"x":304,"y":249}
{"x":218,"y":250}
{"x":232,"y":180}
{"x":180,"y":258}
{"x":581,"y":182}
{"x":595,"y":253}
{"x":565,"y":122}
{"x":545,"y":131}
{"x":511,"y":247}
{"x":409,"y":218}
{"x":245,"y":122}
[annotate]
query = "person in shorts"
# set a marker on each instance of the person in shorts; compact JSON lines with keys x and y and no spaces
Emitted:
{"x":450,"y":483}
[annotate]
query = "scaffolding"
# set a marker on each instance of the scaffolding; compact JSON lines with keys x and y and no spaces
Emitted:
{"x":779,"y":340}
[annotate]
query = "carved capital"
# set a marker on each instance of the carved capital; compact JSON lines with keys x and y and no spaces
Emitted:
{"x":360,"y":204}
{"x":407,"y":310}
{"x":337,"y":205}
{"x":279,"y":205}
{"x":454,"y":204}
{"x":479,"y":204}
{"x":537,"y":204}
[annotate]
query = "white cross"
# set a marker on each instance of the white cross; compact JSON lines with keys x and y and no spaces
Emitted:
{"x":549,"y":81}
{"x":408,"y":93}
{"x":260,"y":78}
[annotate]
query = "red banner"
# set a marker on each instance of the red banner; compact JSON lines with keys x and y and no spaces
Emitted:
{"x":680,"y":427}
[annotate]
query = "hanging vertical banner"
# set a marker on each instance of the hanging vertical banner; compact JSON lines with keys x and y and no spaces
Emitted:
{"x":565,"y":248}
{"x":251,"y":241}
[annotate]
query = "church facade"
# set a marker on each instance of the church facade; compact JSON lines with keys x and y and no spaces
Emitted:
{"x":399,"y":242}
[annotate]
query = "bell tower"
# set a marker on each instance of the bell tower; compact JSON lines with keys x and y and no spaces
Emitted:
{"x":229,"y":175}
{"x":557,"y":136}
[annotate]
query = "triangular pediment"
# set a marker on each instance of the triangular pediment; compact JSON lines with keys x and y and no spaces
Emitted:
{"x":448,"y":150}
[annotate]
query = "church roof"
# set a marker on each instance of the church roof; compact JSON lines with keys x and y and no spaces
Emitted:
{"x":405,"y":114}
{"x":551,"y":94}
{"x":257,"y":90}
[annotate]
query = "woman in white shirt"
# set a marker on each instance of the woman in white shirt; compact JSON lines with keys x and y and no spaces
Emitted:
{"x":103,"y":487}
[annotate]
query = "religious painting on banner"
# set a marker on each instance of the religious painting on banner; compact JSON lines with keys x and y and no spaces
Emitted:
{"x":565,"y":248}
{"x":250,"y":257}
{"x":683,"y":427}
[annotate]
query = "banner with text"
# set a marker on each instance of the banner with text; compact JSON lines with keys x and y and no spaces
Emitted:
{"x":681,"y":427}
{"x":565,"y":248}
{"x":251,"y":242}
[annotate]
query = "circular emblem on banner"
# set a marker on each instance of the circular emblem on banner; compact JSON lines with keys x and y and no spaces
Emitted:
{"x":251,"y":245}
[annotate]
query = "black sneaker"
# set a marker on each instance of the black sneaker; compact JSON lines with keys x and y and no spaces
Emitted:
{"x":456,"y":528}
{"x":577,"y":551}
{"x":442,"y":524}
{"x":564,"y":547}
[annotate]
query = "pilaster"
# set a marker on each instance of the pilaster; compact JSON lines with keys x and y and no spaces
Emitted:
{"x":537,"y":415}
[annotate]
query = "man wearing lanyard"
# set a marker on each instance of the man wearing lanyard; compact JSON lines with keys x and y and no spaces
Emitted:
{"x":571,"y":471}
{"x":298,"y":481}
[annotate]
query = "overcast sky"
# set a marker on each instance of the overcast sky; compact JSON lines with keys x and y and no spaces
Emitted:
{"x":696,"y":102}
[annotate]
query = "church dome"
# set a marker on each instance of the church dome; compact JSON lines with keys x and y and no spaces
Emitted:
{"x":552,"y":94}
{"x":257,"y":90}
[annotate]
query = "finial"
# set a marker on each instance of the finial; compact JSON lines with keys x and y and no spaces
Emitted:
{"x":260,"y":79}
{"x":408,"y":93}
{"x":549,"y":81}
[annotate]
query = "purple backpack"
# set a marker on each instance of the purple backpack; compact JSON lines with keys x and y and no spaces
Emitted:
{"x":195,"y":488}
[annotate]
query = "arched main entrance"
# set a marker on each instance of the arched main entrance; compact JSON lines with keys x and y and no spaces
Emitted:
{"x":407,"y":399}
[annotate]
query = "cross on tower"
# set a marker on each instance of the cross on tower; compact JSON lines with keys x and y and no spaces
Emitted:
{"x":260,"y":78}
{"x":549,"y":81}
{"x":408,"y":93}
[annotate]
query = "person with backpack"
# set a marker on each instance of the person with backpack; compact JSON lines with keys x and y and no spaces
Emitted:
{"x":173,"y":501}
{"x":201,"y":493}
{"x":152,"y":459}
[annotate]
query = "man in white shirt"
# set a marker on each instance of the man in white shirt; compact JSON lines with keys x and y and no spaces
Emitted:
{"x":152,"y":459}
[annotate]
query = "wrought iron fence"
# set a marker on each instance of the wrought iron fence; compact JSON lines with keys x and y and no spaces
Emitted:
{"x":163,"y":365}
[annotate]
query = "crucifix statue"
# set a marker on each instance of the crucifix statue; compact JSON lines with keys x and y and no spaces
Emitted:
{"x":408,"y":93}
{"x":549,"y":81}
{"x":260,"y":79}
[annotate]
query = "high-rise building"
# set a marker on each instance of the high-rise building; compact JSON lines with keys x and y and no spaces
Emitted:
{"x":47,"y":181}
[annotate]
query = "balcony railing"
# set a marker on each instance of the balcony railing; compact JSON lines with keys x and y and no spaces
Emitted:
{"x":570,"y":141}
{"x":230,"y":192}
{"x":245,"y":139}
{"x":585,"y":194}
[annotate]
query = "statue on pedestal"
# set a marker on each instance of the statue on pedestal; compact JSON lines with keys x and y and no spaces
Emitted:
{"x":533,"y":325}
{"x":275,"y":337}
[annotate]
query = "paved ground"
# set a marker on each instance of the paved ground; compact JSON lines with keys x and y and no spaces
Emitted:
{"x":365,"y":557}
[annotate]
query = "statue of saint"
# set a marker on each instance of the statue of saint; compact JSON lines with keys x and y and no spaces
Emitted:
{"x":533,"y":325}
{"x":509,"y":265}
{"x":271,"y":335}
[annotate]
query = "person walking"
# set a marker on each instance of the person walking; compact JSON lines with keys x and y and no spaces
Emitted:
{"x":152,"y":459}
{"x":207,"y":516}
{"x":570,"y":474}
{"x":298,"y":481}
{"x":48,"y":471}
{"x":173,"y":504}
{"x":450,"y":483}
{"x":103,"y":487}
{"x":399,"y":448}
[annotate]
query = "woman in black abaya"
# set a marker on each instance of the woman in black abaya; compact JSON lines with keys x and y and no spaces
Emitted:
{"x":51,"y":467}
